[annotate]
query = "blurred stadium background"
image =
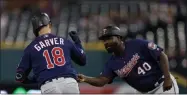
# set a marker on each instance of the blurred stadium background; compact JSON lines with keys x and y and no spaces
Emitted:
{"x":161,"y":21}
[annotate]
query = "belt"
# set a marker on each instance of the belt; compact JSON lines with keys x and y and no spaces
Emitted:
{"x":56,"y":78}
{"x":154,"y":86}
{"x":159,"y":82}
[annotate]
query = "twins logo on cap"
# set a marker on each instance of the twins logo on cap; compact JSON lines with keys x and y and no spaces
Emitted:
{"x":152,"y":46}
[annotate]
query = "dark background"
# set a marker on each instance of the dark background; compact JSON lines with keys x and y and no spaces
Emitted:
{"x":161,"y":21}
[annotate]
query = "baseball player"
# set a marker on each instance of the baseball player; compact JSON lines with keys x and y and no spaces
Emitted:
{"x":49,"y":57}
{"x":140,"y":63}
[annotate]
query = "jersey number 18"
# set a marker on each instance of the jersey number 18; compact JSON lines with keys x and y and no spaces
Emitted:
{"x":57,"y":54}
{"x":144,"y":68}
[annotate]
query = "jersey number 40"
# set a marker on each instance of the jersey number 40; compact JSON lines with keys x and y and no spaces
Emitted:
{"x":144,"y":68}
{"x":58,"y":57}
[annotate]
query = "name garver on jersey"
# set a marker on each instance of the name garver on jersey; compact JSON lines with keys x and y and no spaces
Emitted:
{"x":48,"y":42}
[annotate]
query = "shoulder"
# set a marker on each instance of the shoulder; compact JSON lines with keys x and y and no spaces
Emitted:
{"x":109,"y":61}
{"x":31,"y":45}
{"x":28,"y":48}
{"x":137,"y":42}
{"x":62,"y":38}
{"x":66,"y":41}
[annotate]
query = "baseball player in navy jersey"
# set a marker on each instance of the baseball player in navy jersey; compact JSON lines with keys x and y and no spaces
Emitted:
{"x":140,"y":63}
{"x":49,"y":57}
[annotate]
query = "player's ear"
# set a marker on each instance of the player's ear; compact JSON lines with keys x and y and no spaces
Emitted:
{"x":50,"y":25}
{"x":119,"y":37}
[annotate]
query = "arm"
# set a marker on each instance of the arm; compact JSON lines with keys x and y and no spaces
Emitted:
{"x":78,"y":55}
{"x":77,"y":51}
{"x":164,"y":65}
{"x":22,"y":78}
{"x":158,"y":55}
{"x":106,"y":77}
{"x":94,"y":81}
{"x":23,"y":69}
{"x":165,"y":69}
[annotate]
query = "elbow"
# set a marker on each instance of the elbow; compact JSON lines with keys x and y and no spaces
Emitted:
{"x":19,"y":81}
{"x":82,"y":61}
{"x":19,"y":77}
{"x":82,"y":64}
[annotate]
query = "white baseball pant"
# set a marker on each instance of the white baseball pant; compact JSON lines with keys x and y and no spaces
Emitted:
{"x":159,"y":89}
{"x":61,"y":86}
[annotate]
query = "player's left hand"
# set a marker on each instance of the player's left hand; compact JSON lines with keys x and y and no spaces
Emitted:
{"x":74,"y":36}
{"x":167,"y":84}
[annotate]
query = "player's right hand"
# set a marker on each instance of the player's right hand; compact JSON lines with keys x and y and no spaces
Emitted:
{"x":81,"y":78}
{"x":74,"y":36}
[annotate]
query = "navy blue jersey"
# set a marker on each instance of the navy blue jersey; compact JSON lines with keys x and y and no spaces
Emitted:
{"x":50,"y":56}
{"x":139,"y":65}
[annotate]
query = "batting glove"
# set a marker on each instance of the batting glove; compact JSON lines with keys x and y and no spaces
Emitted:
{"x":74,"y":36}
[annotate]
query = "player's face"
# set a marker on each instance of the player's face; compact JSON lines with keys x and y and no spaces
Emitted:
{"x":111,"y":43}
